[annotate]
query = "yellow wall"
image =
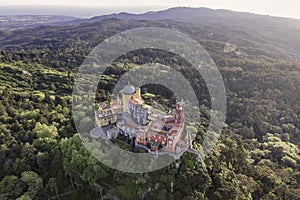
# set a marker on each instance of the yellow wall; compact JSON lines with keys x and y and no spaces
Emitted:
{"x":125,"y":100}
{"x":138,"y":93}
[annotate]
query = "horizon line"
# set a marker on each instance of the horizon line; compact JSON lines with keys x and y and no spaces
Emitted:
{"x":160,"y":7}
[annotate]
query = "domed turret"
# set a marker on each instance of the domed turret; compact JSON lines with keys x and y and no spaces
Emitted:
{"x":129,"y":90}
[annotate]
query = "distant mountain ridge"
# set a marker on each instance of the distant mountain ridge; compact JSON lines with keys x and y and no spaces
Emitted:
{"x":278,"y":32}
{"x":195,"y":15}
{"x":240,"y":28}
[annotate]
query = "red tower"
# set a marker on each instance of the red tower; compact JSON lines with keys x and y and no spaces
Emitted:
{"x":179,"y":115}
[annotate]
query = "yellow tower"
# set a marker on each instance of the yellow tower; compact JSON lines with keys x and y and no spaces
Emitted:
{"x":125,"y":100}
{"x":128,"y":91}
{"x":138,"y":93}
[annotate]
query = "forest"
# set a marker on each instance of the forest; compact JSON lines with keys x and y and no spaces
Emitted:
{"x":42,"y":156}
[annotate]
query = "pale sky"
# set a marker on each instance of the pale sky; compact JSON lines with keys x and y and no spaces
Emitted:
{"x":286,"y":8}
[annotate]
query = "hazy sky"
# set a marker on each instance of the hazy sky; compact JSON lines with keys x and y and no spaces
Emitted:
{"x":287,"y":8}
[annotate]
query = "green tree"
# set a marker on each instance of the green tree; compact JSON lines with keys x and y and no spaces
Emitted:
{"x":34,"y":183}
{"x":11,"y":187}
{"x":53,"y":186}
{"x":24,"y":197}
{"x":44,"y":131}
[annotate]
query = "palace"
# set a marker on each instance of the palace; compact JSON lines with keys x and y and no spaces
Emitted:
{"x":136,"y":121}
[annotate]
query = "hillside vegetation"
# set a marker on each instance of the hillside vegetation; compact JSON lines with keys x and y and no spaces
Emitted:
{"x":257,"y":156}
